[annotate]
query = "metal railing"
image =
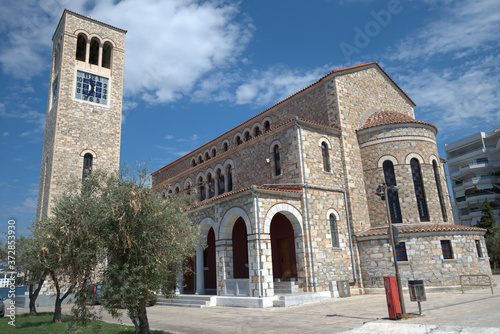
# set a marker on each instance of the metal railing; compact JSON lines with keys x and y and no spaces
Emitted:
{"x":462,"y":284}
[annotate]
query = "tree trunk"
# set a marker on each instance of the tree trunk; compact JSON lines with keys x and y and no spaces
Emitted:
{"x":34,"y":295}
{"x":140,"y":320}
{"x":57,"y":311}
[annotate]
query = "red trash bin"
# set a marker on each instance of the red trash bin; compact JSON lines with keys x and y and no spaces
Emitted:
{"x":391,"y":293}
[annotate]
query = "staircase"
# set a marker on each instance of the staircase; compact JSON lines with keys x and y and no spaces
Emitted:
{"x":197,"y":301}
{"x":286,"y":287}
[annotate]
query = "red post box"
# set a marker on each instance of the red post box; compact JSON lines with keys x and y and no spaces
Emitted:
{"x":391,"y":293}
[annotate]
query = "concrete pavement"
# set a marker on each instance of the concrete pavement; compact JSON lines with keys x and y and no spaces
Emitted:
{"x":476,"y":311}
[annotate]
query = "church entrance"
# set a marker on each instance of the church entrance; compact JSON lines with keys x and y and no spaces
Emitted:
{"x":283,"y":248}
{"x":240,"y":249}
{"x":209,"y":263}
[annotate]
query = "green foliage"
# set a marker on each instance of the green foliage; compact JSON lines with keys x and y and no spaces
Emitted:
{"x":493,"y":242}
{"x":43,"y":324}
{"x":119,"y":222}
{"x":487,"y":220}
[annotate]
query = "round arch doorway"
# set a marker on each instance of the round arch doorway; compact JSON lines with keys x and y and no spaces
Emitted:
{"x":283,"y":249}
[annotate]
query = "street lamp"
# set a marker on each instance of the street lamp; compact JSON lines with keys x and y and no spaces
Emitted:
{"x":382,"y":193}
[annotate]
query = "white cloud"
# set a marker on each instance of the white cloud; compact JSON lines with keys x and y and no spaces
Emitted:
{"x":171,"y":45}
{"x":169,"y":137}
{"x":270,"y":86}
{"x":5,"y":134}
{"x":28,"y":206}
{"x":464,"y":96}
{"x":31,"y":116}
{"x":466,"y":27}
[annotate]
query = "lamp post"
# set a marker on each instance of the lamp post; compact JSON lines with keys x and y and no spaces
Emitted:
{"x":382,"y":192}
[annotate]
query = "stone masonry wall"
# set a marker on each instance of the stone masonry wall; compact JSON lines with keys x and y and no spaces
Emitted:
{"x":74,"y":126}
{"x":359,"y":94}
{"x":400,"y":143}
{"x":425,"y":259}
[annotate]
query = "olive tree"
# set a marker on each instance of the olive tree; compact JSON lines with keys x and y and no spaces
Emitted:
{"x":118,"y":223}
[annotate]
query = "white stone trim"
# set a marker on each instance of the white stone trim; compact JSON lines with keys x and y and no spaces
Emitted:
{"x":334,"y":212}
{"x":273,"y":144}
{"x":433,"y":158}
{"x":397,"y":138}
{"x":209,"y":170}
{"x":387,"y":157}
{"x":214,"y":147}
{"x":236,"y":135}
{"x":227,"y":222}
{"x":186,"y":182}
{"x":414,"y":155}
{"x":94,"y":155}
{"x":264,"y":121}
{"x":326,"y":140}
{"x":255,"y":126}
{"x":222,"y":145}
{"x":205,"y":225}
{"x":289,"y":211}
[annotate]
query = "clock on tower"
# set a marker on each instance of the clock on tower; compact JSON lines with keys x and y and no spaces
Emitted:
{"x":83,"y":123}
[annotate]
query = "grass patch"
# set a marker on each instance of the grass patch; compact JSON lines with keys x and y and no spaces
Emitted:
{"x":496,"y":271}
{"x":42,"y":323}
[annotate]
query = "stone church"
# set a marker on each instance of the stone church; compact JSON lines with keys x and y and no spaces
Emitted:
{"x":286,"y":200}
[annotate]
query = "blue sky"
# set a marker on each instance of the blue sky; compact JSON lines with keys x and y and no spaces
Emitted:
{"x":195,"y":69}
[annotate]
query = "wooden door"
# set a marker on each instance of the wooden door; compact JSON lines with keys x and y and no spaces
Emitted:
{"x":285,"y":260}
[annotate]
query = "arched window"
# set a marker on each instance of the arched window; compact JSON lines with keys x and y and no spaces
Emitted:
{"x":334,"y":230}
{"x":247,"y":136}
{"x":188,"y":189}
{"x":419,"y":190}
{"x":392,"y":195}
{"x":81,"y":47}
{"x":256,"y":131}
{"x":267,"y":126}
{"x":277,"y":160}
{"x":106,"y":55}
{"x":193,"y":162}
{"x":94,"y":51}
{"x":229,"y":174}
{"x":176,"y":190}
{"x":211,"y":185}
{"x":214,"y":152}
{"x":238,"y":140}
{"x":87,"y":165}
{"x":225,"y":147}
{"x":326,"y":157}
{"x":201,"y":185}
{"x":440,"y":190}
{"x":207,"y":156}
{"x":200,"y":160}
{"x":220,"y":184}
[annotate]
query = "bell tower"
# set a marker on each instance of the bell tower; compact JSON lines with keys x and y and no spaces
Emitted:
{"x":84,"y":109}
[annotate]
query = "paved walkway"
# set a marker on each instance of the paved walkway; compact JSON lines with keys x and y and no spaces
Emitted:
{"x":476,"y":311}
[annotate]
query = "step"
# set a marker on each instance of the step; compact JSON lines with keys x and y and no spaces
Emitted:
{"x":302,"y":298}
{"x":187,"y":301}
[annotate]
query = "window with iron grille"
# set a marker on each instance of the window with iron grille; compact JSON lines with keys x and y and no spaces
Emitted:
{"x":401,"y":252}
{"x":326,"y":157}
{"x":334,"y":230}
{"x":87,"y":165}
{"x":440,"y":191}
{"x":447,"y":250}
{"x":392,"y":195}
{"x":478,"y":248}
{"x":419,"y":190}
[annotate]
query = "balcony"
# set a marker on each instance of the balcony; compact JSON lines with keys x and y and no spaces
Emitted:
{"x":474,"y":168}
{"x":465,"y":156}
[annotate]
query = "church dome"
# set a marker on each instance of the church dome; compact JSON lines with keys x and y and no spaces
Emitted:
{"x":391,"y":117}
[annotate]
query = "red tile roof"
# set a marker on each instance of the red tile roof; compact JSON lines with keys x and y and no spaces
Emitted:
{"x":274,"y":188}
{"x":420,"y":228}
{"x":340,"y":72}
{"x":391,"y":117}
